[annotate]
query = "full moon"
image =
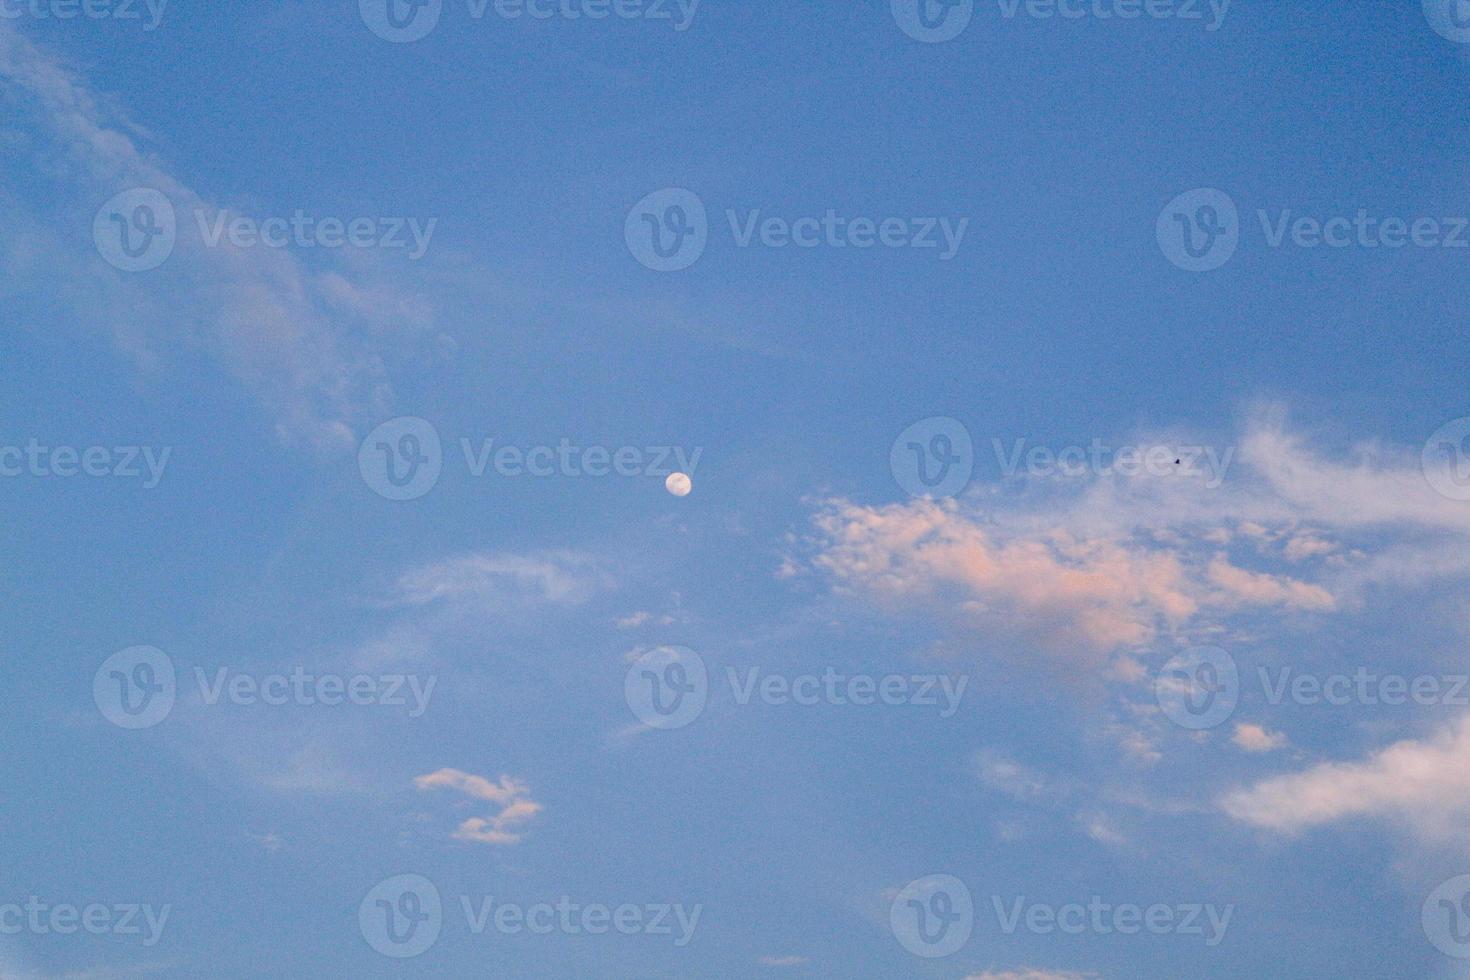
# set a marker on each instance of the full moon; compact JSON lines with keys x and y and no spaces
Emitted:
{"x":678,"y":484}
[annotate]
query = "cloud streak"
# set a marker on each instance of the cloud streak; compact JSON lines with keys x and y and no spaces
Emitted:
{"x":307,"y":345}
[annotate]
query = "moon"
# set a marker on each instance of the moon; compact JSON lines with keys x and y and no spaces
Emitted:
{"x":678,"y":484}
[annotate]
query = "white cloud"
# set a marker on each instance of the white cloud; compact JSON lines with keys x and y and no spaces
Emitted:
{"x":512,"y":796}
{"x":1306,"y":545}
{"x":1423,"y":785}
{"x":1254,"y":738}
{"x":1031,"y":974}
{"x":783,"y":960}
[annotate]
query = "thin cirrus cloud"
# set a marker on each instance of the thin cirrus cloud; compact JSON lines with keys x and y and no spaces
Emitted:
{"x":307,"y":345}
{"x":554,"y":577}
{"x":512,"y":796}
{"x":1031,"y":974}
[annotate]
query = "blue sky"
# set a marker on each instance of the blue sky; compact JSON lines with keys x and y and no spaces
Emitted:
{"x":294,"y":311}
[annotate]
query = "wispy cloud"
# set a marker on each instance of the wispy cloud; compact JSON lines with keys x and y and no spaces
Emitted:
{"x":307,"y":344}
{"x":560,"y":577}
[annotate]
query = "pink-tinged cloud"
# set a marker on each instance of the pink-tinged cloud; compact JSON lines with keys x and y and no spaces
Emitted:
{"x":1065,"y":589}
{"x":1093,"y":595}
{"x":1246,"y":588}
